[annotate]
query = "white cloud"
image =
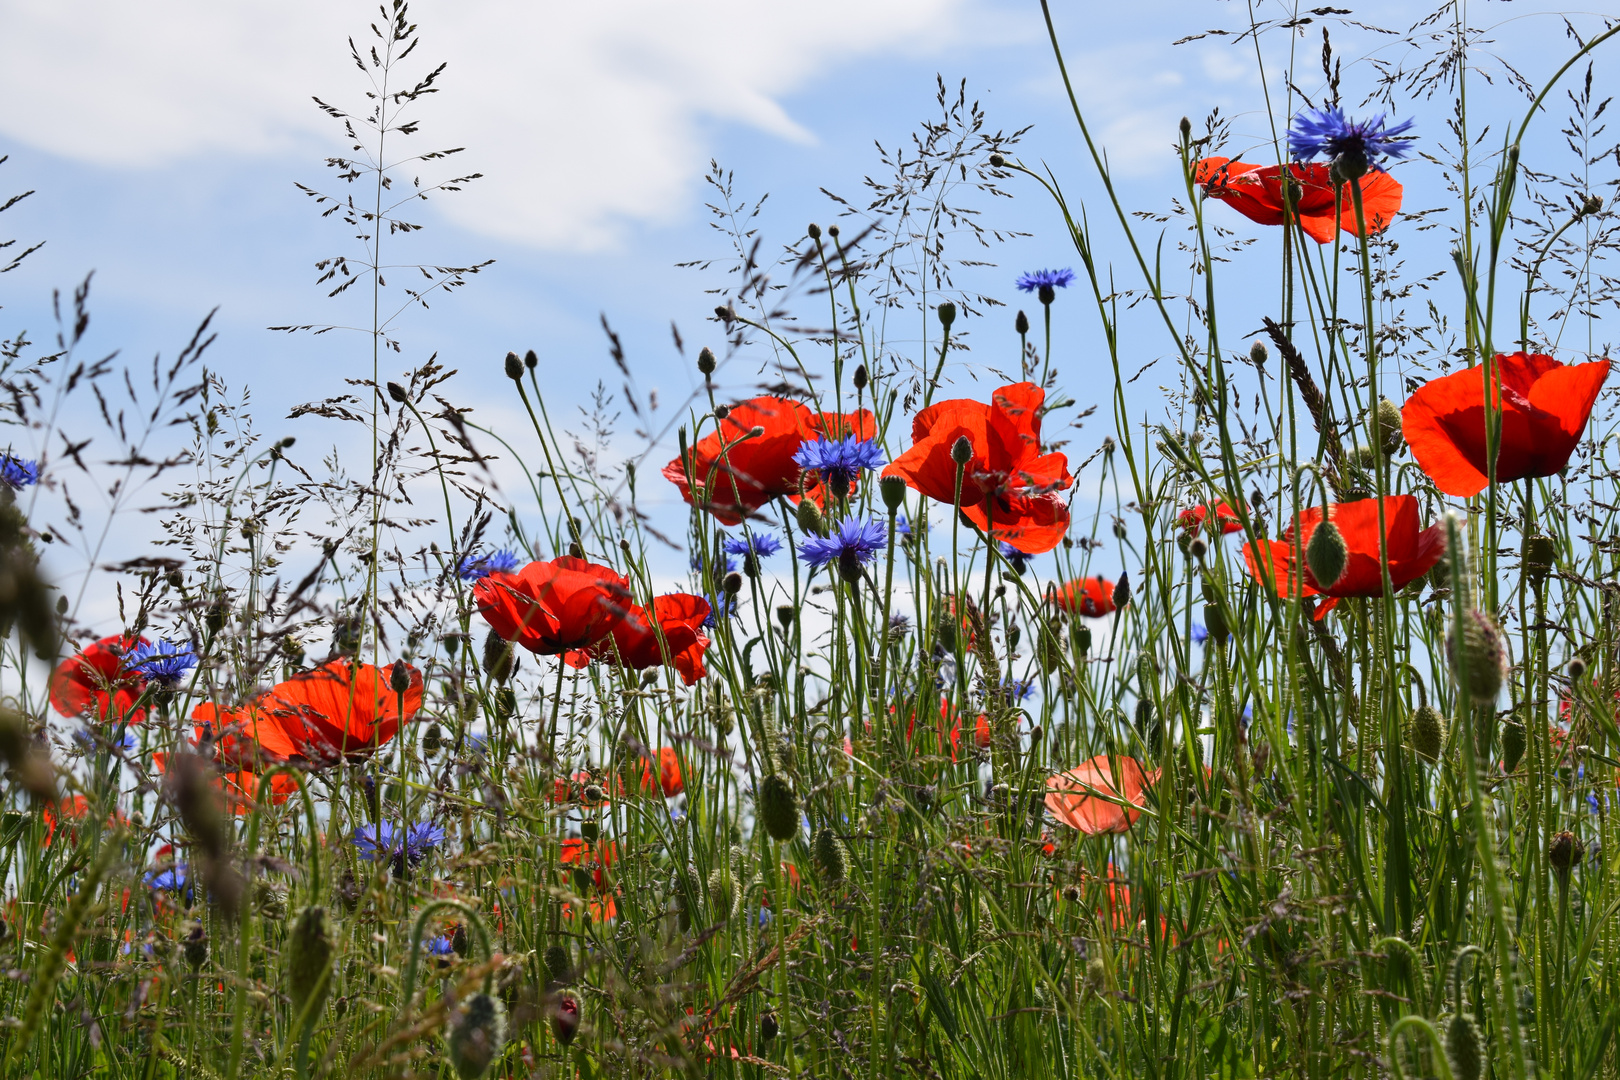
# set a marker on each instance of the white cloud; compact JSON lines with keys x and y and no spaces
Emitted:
{"x":582,"y":117}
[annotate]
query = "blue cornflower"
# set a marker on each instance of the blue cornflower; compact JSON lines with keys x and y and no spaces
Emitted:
{"x":477,"y":743}
{"x":171,"y":880}
{"x":1329,"y":133}
{"x":1018,"y":689}
{"x":474,"y":567}
{"x":439,"y":946}
{"x":162,"y":662}
{"x":1020,"y":560}
{"x":403,"y":848}
{"x":1200,"y":633}
{"x":839,"y":461}
{"x":855,"y":544}
{"x":1045,"y":281}
{"x":88,"y":739}
{"x":721,"y":605}
{"x":16,"y":472}
{"x":762,"y":545}
{"x":899,"y":624}
{"x":766,"y":917}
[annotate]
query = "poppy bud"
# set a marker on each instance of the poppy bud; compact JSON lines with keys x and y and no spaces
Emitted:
{"x":778,"y":808}
{"x":432,"y":739}
{"x":1082,"y":640}
{"x":308,"y":955}
{"x":1564,"y":852}
{"x":1326,"y":554}
{"x":558,"y":967}
{"x":1388,"y":436}
{"x":1537,"y":557}
{"x":962,"y":450}
{"x":1215,"y":623}
{"x":947,"y":634}
{"x":809,"y":515}
{"x":1426,"y":732}
{"x":1197,"y":549}
{"x":768,"y":1027}
{"x":705,"y":361}
{"x":397,"y":392}
{"x":946,"y":313}
{"x":589,"y":831}
{"x":732,"y":584}
{"x":862,"y":377}
{"x":814,"y":230}
{"x":478,"y":1033}
{"x":1483,"y":657}
{"x":514,"y":366}
{"x":1096,"y":973}
{"x":565,"y":1020}
{"x":830,"y":855}
{"x":195,"y":947}
{"x":1185,"y":127}
{"x":1050,"y":649}
{"x":785,"y":614}
{"x":1576,"y":668}
{"x":1512,"y":745}
{"x":399,"y":677}
{"x":1464,"y":1052}
{"x":1122,"y":591}
{"x":531,"y":360}
{"x":1021,"y":323}
{"x":1257,"y":354}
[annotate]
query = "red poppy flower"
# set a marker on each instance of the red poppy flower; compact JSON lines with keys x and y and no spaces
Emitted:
{"x":577,"y":788}
{"x":1007,"y":474}
{"x":1091,"y":596}
{"x":1544,"y":404}
{"x":1194,"y":518}
{"x":552,"y":607}
{"x":1412,"y":553}
{"x":1088,"y":798}
{"x":240,"y":787}
{"x":633,"y":642}
{"x":733,"y":471}
{"x":669,"y":773}
{"x":981,"y":732}
{"x":72,"y":808}
{"x":94,"y":684}
{"x":1255,"y":191}
{"x":577,"y":851}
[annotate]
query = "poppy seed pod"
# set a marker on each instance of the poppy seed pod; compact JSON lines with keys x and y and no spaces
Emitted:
{"x":810,"y":520}
{"x":308,"y":953}
{"x":397,"y":392}
{"x":893,"y":489}
{"x":1483,"y":659}
{"x":1426,"y":732}
{"x":477,"y":1035}
{"x":1564,"y":852}
{"x":1512,"y":745}
{"x":705,"y":361}
{"x":514,"y":366}
{"x":558,"y":968}
{"x":947,"y":314}
{"x":962,"y":450}
{"x":1388,"y":436}
{"x":1464,"y":1050}
{"x":1021,"y":323}
{"x":778,"y":808}
{"x":1326,"y":555}
{"x":830,"y":855}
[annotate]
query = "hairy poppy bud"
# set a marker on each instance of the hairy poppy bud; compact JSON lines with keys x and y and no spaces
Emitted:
{"x":1564,"y":852}
{"x":893,"y":490}
{"x":1326,"y":554}
{"x":809,"y":515}
{"x":432,"y":739}
{"x":1122,"y":591}
{"x":1082,"y":640}
{"x":397,"y":392}
{"x":961,"y":450}
{"x":946,"y":313}
{"x":1536,"y":557}
{"x":1197,"y":549}
{"x":1021,"y":323}
{"x":1185,"y":127}
{"x":399,"y":677}
{"x":477,"y":1035}
{"x":830,"y":855}
{"x":814,"y":230}
{"x":514,"y":366}
{"x":1050,"y":648}
{"x":1464,"y":1050}
{"x":1096,"y":973}
{"x":705,"y":361}
{"x":565,"y":1019}
{"x":1512,"y":745}
{"x":558,"y":967}
{"x":778,"y":808}
{"x":768,"y":1027}
{"x":1257,"y":354}
{"x":1426,"y":732}
{"x":1215,"y":623}
{"x":1388,"y":436}
{"x":195,"y":946}
{"x":1483,"y":657}
{"x":862,"y":377}
{"x":308,"y":954}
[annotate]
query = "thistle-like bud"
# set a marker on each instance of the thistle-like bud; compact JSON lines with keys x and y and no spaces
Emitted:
{"x":830,"y":855}
{"x":558,"y":968}
{"x":1576,"y":667}
{"x":397,"y":392}
{"x":1512,"y":745}
{"x":1122,"y":591}
{"x":1465,"y":1052}
{"x":1426,"y":732}
{"x":768,"y":1027}
{"x":732,"y":583}
{"x":1483,"y":658}
{"x":1388,"y":436}
{"x":195,"y":946}
{"x":778,"y":808}
{"x":962,"y":450}
{"x":814,"y":231}
{"x":705,"y":361}
{"x":308,"y":953}
{"x":1258,"y":354}
{"x":1021,"y":323}
{"x":722,"y":411}
{"x":1326,"y":554}
{"x":531,"y":359}
{"x":1536,"y":557}
{"x":432,"y":740}
{"x":1215,"y":623}
{"x":399,"y":677}
{"x":809,"y":515}
{"x":785,"y":614}
{"x":1564,"y":852}
{"x":514,"y":366}
{"x":478,"y":1034}
{"x":947,"y":314}
{"x":893,"y":489}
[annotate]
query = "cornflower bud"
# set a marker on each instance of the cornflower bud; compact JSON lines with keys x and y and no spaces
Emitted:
{"x":832,"y":231}
{"x":785,"y":614}
{"x":1426,"y":732}
{"x":705,"y":361}
{"x":531,"y":360}
{"x":814,"y":230}
{"x":478,"y":1034}
{"x":514,"y":366}
{"x":1122,"y":591}
{"x":732,"y":583}
{"x":1483,"y":657}
{"x":1576,"y":667}
{"x":778,"y":808}
{"x":1564,"y":852}
{"x":397,"y":392}
{"x":1021,"y":323}
{"x":308,"y":953}
{"x":997,"y":161}
{"x":862,"y":377}
{"x":962,"y":450}
{"x":1257,"y":354}
{"x":947,"y":314}
{"x":399,"y":677}
{"x":1082,"y":640}
{"x":1185,"y":127}
{"x":1326,"y":554}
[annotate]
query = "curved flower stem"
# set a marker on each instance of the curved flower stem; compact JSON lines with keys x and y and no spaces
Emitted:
{"x":416,"y":949}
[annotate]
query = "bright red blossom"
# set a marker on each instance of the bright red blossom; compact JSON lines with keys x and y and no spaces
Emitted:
{"x":634,"y":640}
{"x":1545,"y":406}
{"x":1255,"y":191}
{"x":1197,"y":517}
{"x":669,"y":773}
{"x":552,"y":607}
{"x":1091,"y":596}
{"x":1100,"y":795}
{"x":94,"y":684}
{"x":1412,"y":552}
{"x":734,"y":472}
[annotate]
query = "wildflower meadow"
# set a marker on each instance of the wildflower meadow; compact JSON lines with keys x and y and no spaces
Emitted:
{"x":943,"y":705}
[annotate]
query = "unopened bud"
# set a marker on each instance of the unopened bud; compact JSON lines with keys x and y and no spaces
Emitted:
{"x":997,"y":161}
{"x":1537,"y":557}
{"x":814,"y":230}
{"x":809,"y":515}
{"x":1513,"y":743}
{"x":1122,"y":591}
{"x":1197,"y":548}
{"x":830,"y":856}
{"x":778,"y":808}
{"x":768,"y":1027}
{"x":893,"y":490}
{"x":1576,"y":667}
{"x":1592,"y":205}
{"x":1326,"y":555}
{"x":308,"y":955}
{"x":722,"y":411}
{"x":946,"y":313}
{"x":397,"y":392}
{"x":1481,"y":664}
{"x":1465,"y":1051}
{"x":705,"y":361}
{"x":1215,"y":623}
{"x":862,"y":377}
{"x":1258,"y":354}
{"x":531,"y":360}
{"x":1426,"y":732}
{"x":732,"y":583}
{"x":1185,"y":127}
{"x":1388,"y":436}
{"x":1021,"y":323}
{"x":832,"y":231}
{"x":477,"y":1035}
{"x":498,"y":657}
{"x":399,"y":677}
{"x":785,"y":614}
{"x":1565,"y":852}
{"x":514,"y":366}
{"x":962,"y":450}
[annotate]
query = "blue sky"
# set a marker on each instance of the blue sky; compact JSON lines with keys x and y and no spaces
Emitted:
{"x":164,"y":140}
